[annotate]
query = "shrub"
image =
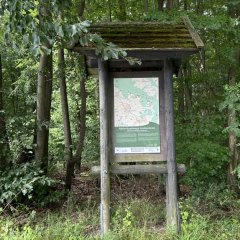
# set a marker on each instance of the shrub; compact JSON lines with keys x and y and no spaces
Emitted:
{"x":25,"y":183}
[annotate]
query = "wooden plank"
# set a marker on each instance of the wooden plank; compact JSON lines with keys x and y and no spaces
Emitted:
{"x":194,"y":34}
{"x":146,"y":53}
{"x":162,"y":116}
{"x":171,"y":186}
{"x":122,"y":63}
{"x":139,"y":169}
{"x":150,"y":42}
{"x":147,"y":25}
{"x":164,"y":35}
{"x":139,"y":157}
{"x":104,"y":146}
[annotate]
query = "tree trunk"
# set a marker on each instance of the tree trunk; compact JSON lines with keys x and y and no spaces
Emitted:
{"x":110,"y":10}
{"x":66,"y":121}
{"x":169,"y":4}
{"x":83,"y":99}
{"x":160,"y":5}
{"x":199,"y":6}
{"x":146,"y":6}
{"x":185,"y":5}
{"x":122,"y":10}
{"x":81,"y":112}
{"x":181,"y":94}
{"x":44,"y":97}
{"x":44,"y":92}
{"x":232,"y":138}
{"x":187,"y":87}
{"x":81,"y":8}
{"x":188,"y":95}
{"x":4,"y":147}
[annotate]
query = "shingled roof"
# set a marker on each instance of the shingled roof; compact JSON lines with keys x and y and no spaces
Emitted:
{"x":150,"y":35}
{"x":154,"y":36}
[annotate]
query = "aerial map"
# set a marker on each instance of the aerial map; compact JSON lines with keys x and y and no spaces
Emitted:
{"x":136,"y":115}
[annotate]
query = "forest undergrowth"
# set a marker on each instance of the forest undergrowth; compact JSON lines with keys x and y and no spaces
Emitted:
{"x":138,"y":212}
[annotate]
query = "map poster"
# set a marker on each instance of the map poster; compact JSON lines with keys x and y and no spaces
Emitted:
{"x":136,"y":115}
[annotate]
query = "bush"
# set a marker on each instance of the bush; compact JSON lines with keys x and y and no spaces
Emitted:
{"x":200,"y":145}
{"x":25,"y":183}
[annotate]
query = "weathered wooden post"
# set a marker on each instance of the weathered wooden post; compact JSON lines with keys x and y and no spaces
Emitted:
{"x":104,"y":146}
{"x":171,"y":183}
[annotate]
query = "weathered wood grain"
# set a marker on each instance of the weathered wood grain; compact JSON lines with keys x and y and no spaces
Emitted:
{"x":138,"y":169}
{"x":138,"y":157}
{"x":196,"y":38}
{"x":171,"y":186}
{"x":104,"y":146}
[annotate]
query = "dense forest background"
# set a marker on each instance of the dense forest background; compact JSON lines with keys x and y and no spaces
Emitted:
{"x":43,"y":86}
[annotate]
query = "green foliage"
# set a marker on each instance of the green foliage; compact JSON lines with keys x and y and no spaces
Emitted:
{"x":82,"y":223}
{"x":202,"y":227}
{"x":40,"y":26}
{"x":214,"y":199}
{"x":200,"y":145}
{"x":231,"y":101}
{"x":237,"y":171}
{"x":212,"y":213}
{"x":123,"y":217}
{"x":26,"y":183}
{"x":92,"y":139}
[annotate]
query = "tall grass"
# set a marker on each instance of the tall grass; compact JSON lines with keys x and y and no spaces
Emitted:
{"x":131,"y":219}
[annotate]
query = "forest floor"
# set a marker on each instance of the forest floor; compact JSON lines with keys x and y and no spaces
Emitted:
{"x":138,"y":212}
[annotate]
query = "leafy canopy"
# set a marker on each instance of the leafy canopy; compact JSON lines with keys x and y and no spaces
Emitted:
{"x":43,"y":24}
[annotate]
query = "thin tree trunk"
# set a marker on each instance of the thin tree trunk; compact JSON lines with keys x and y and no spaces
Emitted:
{"x":66,"y":121}
{"x":232,"y":138}
{"x":187,"y":87}
{"x":172,"y":4}
{"x":185,"y":5}
{"x":110,"y":10}
{"x":122,"y":8}
{"x":199,"y":8}
{"x":160,"y":5}
{"x":44,"y":97}
{"x":4,"y":147}
{"x":81,"y":112}
{"x":188,"y":96}
{"x":146,"y":6}
{"x":13,"y":95}
{"x":81,"y":8}
{"x":169,"y":4}
{"x":181,"y":94}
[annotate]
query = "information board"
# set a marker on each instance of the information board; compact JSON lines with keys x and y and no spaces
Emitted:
{"x":136,"y":115}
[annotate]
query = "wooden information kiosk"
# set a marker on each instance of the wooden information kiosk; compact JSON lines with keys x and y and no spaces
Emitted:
{"x":136,"y":104}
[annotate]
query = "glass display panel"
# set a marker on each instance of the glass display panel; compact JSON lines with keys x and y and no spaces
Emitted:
{"x":136,"y":115}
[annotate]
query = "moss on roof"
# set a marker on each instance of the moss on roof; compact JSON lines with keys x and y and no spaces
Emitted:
{"x":150,"y":35}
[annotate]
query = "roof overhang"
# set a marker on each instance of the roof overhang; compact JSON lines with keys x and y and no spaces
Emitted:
{"x":147,"y":40}
{"x":151,"y":42}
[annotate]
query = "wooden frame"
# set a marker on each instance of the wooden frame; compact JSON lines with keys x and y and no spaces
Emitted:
{"x":106,"y":95}
{"x":158,"y":61}
{"x":146,"y":157}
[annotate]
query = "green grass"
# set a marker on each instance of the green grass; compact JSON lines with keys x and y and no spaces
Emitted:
{"x":213,"y":214}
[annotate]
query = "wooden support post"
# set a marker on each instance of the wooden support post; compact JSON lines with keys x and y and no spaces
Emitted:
{"x":171,"y":183}
{"x":104,"y":146}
